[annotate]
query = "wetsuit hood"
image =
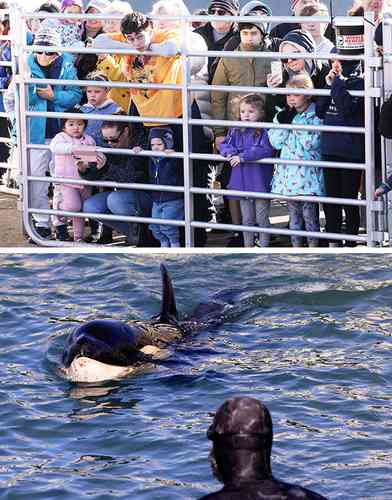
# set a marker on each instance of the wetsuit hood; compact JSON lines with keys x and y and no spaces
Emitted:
{"x":242,"y":436}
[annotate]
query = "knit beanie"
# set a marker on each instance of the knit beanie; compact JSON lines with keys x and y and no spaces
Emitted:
{"x":165,"y":134}
{"x":47,"y":37}
{"x":304,"y":41}
{"x":230,"y":6}
{"x":250,"y":9}
{"x":100,"y":5}
{"x":69,"y":3}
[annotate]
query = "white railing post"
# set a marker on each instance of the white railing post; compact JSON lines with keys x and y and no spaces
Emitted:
{"x":187,"y":138}
{"x":387,"y":73}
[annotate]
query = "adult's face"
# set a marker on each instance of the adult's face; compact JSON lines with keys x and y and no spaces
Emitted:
{"x":375,"y":6}
{"x":93,"y":24}
{"x":116,"y":138}
{"x":220,"y":26}
{"x":45,"y":58}
{"x":251,"y":37}
{"x":295,"y":65}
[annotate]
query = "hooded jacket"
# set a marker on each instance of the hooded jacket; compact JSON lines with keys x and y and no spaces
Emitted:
{"x":93,"y":128}
{"x":343,"y":109}
{"x":65,"y":97}
{"x":297,"y":180}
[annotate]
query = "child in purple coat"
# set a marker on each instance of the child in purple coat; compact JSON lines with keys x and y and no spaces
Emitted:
{"x":243,"y":146}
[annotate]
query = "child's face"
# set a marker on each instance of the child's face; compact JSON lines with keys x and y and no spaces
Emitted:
{"x":74,"y":128}
{"x":93,"y":24}
{"x":96,"y":95}
{"x":249,"y":113}
{"x":161,"y":24}
{"x":140,"y":40}
{"x":157,"y":144}
{"x":299,"y":102}
{"x":72,"y":9}
{"x":337,"y":67}
{"x":296,"y":65}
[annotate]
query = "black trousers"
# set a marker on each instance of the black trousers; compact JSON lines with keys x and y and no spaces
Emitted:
{"x":341,"y":183}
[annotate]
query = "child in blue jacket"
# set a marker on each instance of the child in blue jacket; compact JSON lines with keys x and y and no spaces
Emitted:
{"x":168,"y":171}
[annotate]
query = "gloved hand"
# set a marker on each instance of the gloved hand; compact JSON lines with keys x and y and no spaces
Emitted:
{"x":286,"y":116}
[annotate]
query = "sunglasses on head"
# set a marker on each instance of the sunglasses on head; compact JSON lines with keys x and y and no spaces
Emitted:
{"x":217,"y":12}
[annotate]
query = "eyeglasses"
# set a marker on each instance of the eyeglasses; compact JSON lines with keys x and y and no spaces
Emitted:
{"x":218,"y":12}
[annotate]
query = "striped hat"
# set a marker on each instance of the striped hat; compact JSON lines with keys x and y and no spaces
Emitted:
{"x":47,"y":37}
{"x":230,"y":6}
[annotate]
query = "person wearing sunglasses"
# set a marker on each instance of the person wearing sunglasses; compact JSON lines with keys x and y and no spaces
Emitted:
{"x":122,"y":169}
{"x":217,"y":33}
{"x":47,"y":64}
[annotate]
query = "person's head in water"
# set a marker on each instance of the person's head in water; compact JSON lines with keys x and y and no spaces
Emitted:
{"x":242,"y":440}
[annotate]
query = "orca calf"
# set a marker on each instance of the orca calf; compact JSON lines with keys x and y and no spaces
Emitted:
{"x":107,"y":349}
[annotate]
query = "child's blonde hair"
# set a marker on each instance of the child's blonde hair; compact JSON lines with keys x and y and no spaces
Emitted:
{"x":255,"y":100}
{"x":300,"y":81}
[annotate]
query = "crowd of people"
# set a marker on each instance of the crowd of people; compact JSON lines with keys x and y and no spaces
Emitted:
{"x":72,"y":142}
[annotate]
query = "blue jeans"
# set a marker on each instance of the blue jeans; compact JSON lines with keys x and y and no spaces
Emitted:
{"x":168,"y":236}
{"x":124,"y":202}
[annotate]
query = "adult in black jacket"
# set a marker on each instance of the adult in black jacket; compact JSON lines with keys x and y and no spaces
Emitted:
{"x":241,"y":455}
{"x":342,"y":109}
{"x":217,"y":33}
{"x":121,"y":169}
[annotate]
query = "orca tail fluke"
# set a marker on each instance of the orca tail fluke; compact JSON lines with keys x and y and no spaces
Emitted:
{"x":168,"y":309}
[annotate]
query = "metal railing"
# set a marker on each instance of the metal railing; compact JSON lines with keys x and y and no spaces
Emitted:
{"x":374,"y":209}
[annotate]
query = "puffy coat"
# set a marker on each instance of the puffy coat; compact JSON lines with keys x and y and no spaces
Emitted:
{"x":65,"y":96}
{"x":250,"y":145}
{"x":297,"y":180}
{"x":169,"y":172}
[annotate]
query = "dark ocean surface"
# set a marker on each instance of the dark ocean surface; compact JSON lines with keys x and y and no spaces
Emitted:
{"x":308,"y":335}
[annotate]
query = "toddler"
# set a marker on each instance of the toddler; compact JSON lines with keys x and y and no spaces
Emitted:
{"x":168,"y":171}
{"x":70,"y":149}
{"x":299,"y":180}
{"x":241,"y":147}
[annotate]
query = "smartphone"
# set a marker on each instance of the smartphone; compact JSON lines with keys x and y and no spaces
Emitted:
{"x":86,"y":156}
{"x":276,"y":70}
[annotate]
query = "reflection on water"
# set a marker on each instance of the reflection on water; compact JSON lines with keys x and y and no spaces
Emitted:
{"x":309,"y":335}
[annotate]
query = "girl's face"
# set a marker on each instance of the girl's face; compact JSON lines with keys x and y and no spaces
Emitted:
{"x":249,"y":113}
{"x":72,"y":9}
{"x":74,"y":128}
{"x":299,"y":102}
{"x":296,"y":65}
{"x":161,"y":24}
{"x":93,"y":24}
{"x":157,"y":144}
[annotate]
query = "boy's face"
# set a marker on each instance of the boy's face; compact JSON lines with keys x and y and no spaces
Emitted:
{"x":140,"y":40}
{"x":296,"y":65}
{"x":96,"y":95}
{"x":74,"y":128}
{"x":157,"y":144}
{"x":317,"y":30}
{"x":251,"y":37}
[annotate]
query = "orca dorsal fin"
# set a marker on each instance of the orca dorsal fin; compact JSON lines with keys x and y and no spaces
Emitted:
{"x":168,"y":309}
